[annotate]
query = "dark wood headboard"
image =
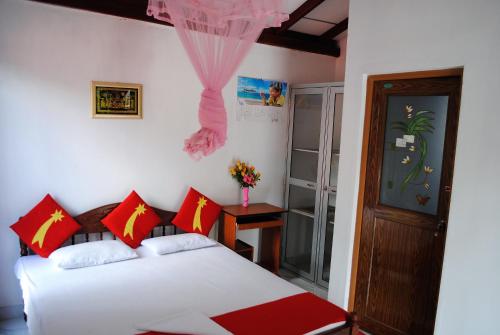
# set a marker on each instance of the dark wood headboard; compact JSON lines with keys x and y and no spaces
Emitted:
{"x":91,"y":224}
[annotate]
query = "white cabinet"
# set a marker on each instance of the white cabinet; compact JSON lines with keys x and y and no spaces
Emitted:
{"x":311,"y":185}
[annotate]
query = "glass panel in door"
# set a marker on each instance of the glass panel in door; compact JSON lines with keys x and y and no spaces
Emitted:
{"x":305,"y":136}
{"x":300,"y":228}
{"x":413,"y":152}
{"x":330,"y":221}
{"x":331,"y":193}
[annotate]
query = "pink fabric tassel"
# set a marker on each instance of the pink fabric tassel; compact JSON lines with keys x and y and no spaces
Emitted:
{"x":213,"y":119}
{"x":217,"y":35}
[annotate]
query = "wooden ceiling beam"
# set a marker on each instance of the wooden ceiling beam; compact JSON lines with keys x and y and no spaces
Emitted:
{"x":131,"y":9}
{"x":300,"y":41}
{"x":299,"y":13}
{"x":136,"y":9}
{"x":337,"y":29}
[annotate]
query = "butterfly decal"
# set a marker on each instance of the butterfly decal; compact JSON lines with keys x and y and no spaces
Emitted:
{"x":422,"y":200}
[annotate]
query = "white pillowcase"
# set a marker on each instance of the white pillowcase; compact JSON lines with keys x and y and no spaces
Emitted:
{"x":174,"y":243}
{"x":91,"y":254}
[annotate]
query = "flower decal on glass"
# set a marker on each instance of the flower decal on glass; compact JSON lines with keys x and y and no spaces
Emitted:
{"x":413,"y":131}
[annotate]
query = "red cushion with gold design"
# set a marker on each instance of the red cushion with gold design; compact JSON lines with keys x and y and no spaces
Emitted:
{"x":132,"y":220}
{"x":197,"y":213}
{"x":45,"y":227}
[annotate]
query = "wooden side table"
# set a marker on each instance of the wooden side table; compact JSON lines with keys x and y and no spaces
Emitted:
{"x":256,"y":216}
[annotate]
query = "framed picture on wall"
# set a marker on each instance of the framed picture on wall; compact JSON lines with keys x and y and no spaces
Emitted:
{"x":116,"y":100}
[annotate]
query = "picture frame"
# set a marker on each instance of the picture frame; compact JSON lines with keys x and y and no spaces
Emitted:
{"x":111,"y":100}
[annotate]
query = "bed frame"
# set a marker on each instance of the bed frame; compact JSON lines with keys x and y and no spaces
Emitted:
{"x":93,"y":229}
{"x":350,"y":327}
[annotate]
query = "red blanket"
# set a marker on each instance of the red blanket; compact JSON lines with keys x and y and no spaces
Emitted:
{"x":297,"y":314}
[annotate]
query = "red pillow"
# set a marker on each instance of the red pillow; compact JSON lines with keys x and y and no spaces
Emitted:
{"x":45,"y":227}
{"x":132,"y":220}
{"x":197,"y":213}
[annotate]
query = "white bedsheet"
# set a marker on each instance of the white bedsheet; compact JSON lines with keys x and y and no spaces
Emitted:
{"x":116,"y":298}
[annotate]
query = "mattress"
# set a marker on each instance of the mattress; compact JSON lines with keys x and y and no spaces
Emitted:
{"x":117,"y":298}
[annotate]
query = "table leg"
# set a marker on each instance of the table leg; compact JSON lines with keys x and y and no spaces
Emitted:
{"x":229,"y":239}
{"x":270,"y":249}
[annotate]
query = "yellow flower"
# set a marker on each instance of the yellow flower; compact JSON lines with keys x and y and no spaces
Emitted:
{"x":232,"y":171}
{"x":428,"y":169}
{"x":242,"y":174}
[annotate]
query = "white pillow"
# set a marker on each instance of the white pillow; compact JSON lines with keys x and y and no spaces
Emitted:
{"x":91,"y":254}
{"x":174,"y":243}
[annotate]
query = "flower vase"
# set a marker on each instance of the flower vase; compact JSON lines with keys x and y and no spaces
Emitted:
{"x":245,"y":196}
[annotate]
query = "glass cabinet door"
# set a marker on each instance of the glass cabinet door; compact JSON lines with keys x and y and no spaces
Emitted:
{"x":305,"y":136}
{"x":305,"y":144}
{"x":329,"y":190}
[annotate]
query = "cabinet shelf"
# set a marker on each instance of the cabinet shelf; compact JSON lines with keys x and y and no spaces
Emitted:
{"x":244,"y":249}
{"x":313,"y":151}
{"x":309,"y":212}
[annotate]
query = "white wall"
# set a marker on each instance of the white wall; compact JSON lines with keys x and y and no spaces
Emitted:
{"x":396,"y":36}
{"x":50,"y":144}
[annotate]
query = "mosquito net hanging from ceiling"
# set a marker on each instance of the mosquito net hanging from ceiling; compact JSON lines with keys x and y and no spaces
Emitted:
{"x":217,"y":34}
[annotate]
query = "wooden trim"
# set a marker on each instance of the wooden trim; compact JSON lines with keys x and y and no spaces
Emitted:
{"x":337,"y":29}
{"x":136,"y":10}
{"x":364,"y":155}
{"x":252,"y":210}
{"x":299,"y":13}
{"x":361,"y":192}
{"x":230,"y":228}
{"x":260,"y":224}
{"x":453,"y":72}
{"x":300,"y":41}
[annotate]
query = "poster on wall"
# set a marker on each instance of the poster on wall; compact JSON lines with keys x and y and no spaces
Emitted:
{"x":260,"y":99}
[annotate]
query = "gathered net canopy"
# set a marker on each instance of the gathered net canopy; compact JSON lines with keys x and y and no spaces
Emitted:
{"x":217,"y":35}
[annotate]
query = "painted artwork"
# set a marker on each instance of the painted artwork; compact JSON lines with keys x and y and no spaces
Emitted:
{"x":413,"y":152}
{"x":116,"y":100}
{"x":260,"y":98}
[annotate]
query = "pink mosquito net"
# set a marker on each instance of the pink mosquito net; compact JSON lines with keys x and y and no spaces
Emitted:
{"x":217,"y":35}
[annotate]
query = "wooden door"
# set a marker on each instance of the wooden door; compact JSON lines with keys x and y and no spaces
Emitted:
{"x":405,"y":201}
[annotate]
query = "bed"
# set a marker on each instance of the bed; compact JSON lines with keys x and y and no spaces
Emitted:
{"x":122,"y":297}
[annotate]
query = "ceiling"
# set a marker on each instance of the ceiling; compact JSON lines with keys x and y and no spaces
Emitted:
{"x":324,"y":17}
{"x":313,"y":26}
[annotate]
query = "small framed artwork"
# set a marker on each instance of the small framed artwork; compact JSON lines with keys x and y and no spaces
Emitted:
{"x":116,"y":100}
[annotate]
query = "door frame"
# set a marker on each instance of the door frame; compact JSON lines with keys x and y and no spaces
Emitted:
{"x":452,"y":72}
